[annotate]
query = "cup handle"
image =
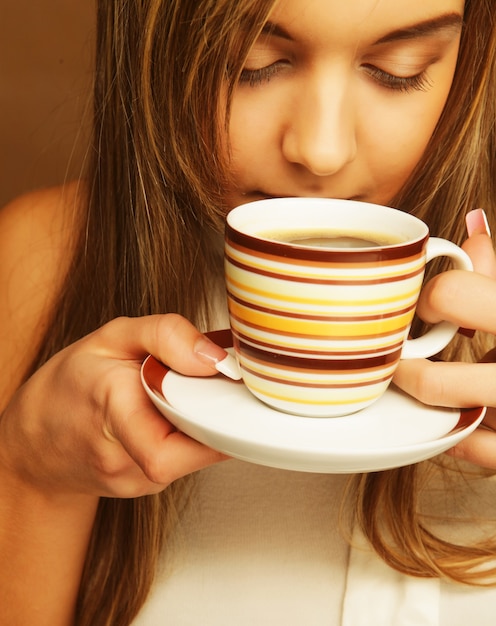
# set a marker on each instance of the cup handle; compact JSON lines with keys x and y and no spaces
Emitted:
{"x":439,"y":336}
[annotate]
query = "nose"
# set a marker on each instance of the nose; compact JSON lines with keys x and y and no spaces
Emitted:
{"x":320,"y":132}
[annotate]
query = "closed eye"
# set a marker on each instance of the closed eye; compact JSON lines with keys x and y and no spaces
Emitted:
{"x":254,"y":77}
{"x":405,"y":84}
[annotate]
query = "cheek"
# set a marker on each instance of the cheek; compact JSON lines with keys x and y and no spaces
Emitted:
{"x":408,"y":130}
{"x":397,"y":138}
{"x":392,"y":157}
{"x":252,"y":131}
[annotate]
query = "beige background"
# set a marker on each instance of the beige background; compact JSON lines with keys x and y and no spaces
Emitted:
{"x":45,"y":72}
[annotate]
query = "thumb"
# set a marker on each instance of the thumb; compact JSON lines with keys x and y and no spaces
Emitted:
{"x":479,"y":245}
{"x":170,"y":338}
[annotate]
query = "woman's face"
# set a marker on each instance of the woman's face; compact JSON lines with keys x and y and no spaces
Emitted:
{"x":339,"y":99}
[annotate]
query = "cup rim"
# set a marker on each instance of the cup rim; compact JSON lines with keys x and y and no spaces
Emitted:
{"x":245,"y":236}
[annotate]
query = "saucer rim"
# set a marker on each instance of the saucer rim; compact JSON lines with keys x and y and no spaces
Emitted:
{"x":153,"y":373}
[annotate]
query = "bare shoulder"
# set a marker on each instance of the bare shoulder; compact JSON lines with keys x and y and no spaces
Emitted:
{"x":36,"y":246}
{"x":37,"y":237}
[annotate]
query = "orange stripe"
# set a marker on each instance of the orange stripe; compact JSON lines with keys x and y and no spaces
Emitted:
{"x":312,"y":401}
{"x":319,"y":327}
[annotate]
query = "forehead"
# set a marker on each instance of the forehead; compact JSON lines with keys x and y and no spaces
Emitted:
{"x":366,"y":19}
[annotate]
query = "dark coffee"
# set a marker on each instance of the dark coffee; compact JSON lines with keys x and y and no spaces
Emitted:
{"x":333,"y":239}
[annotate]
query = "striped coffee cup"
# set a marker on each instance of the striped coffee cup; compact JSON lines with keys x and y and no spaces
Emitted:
{"x":321,"y":295}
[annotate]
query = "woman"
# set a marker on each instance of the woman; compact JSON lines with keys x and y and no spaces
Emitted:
{"x":201,"y":105}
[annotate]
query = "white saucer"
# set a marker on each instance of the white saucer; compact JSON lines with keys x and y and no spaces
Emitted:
{"x":396,"y":430}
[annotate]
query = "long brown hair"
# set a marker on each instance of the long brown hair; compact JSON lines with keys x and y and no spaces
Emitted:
{"x":152,"y":204}
{"x":456,"y":174}
{"x":154,"y":200}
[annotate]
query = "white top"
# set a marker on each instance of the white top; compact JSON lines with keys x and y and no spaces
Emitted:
{"x":261,"y":546}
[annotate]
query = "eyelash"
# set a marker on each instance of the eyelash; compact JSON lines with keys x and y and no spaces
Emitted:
{"x":261,"y":75}
{"x":405,"y":84}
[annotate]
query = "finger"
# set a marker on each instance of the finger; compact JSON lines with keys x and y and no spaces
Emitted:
{"x":480,"y":249}
{"x":480,"y":446}
{"x":181,"y":455}
{"x":162,"y":453}
{"x":479,"y":245}
{"x":170,"y":338}
{"x":462,"y":385}
{"x":466,"y":299}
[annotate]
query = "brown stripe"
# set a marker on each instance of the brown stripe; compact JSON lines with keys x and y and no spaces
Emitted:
{"x":321,"y":318}
{"x":323,"y":281}
{"x":315,"y":385}
{"x":467,"y":417}
{"x":322,"y":365}
{"x":153,"y":373}
{"x":221,"y":337}
{"x":327,"y":353}
{"x":289,"y":260}
{"x":359,"y":255}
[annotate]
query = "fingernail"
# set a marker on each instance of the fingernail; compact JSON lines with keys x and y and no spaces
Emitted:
{"x":215,"y":356}
{"x":229,"y":367}
{"x":477,"y":223}
{"x":467,"y":332}
{"x":208,"y":351}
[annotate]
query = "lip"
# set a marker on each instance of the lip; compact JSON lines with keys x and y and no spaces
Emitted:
{"x":259,"y":195}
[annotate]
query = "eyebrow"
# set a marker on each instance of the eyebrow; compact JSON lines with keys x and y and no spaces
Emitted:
{"x":274,"y":30}
{"x":449,"y":21}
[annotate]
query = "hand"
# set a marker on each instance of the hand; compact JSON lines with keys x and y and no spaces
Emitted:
{"x":83,"y":423}
{"x":468,"y":300}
